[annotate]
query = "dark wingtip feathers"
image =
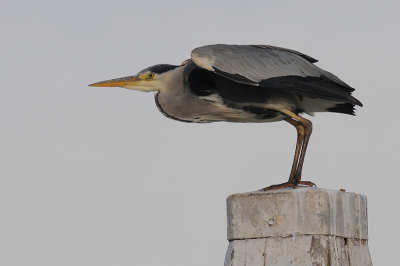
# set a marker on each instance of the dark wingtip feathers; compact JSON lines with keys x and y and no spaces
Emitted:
{"x":343,"y":108}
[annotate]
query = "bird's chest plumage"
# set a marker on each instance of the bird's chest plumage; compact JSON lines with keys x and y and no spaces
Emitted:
{"x":184,"y":108}
{"x":187,"y":107}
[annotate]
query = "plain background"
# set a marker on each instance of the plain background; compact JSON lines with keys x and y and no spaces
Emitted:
{"x":97,"y":176}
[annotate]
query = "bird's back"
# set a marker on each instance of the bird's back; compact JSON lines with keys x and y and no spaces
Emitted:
{"x":250,"y":83}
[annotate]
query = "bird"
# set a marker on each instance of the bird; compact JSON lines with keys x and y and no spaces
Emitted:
{"x":246,"y":84}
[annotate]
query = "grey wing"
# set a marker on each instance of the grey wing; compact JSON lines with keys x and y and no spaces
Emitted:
{"x":255,"y":63}
{"x":266,"y":66}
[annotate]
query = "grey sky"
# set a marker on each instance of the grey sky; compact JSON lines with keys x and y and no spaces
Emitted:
{"x":97,"y":176}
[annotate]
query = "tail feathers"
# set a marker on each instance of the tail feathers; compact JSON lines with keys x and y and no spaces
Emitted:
{"x":344,"y":108}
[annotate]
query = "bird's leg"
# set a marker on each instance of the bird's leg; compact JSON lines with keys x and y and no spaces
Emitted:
{"x":307,"y":125}
{"x":304,"y":130}
{"x":300,"y":138}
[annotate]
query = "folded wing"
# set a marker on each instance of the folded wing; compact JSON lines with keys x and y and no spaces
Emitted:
{"x":274,"y":68}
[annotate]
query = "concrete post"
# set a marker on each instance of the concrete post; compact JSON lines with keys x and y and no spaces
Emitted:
{"x":302,"y":226}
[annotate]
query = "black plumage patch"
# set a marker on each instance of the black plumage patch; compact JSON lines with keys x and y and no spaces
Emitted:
{"x":200,"y":82}
{"x":235,"y":77}
{"x":203,"y":83}
{"x":344,"y":108}
{"x":159,"y":69}
{"x":313,"y":87}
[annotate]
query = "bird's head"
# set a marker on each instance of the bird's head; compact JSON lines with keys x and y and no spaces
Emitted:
{"x":153,"y":78}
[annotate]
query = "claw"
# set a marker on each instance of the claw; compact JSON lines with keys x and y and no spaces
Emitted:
{"x":289,"y":184}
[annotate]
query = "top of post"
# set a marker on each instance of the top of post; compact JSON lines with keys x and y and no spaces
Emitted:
{"x":300,"y":211}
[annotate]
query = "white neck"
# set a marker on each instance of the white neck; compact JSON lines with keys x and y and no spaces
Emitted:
{"x":171,"y":81}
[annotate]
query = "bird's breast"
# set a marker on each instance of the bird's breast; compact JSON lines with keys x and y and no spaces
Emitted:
{"x":191,"y":108}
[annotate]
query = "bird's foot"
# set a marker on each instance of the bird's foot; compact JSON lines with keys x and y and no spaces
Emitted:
{"x":293,"y":184}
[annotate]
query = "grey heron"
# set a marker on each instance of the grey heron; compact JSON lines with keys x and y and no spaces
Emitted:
{"x":245,"y":83}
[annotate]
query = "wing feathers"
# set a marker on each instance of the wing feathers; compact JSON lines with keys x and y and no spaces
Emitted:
{"x":273,"y":67}
{"x":308,"y":58}
{"x":253,"y":62}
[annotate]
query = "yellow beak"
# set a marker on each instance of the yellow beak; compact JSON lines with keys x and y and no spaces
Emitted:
{"x":120,"y":82}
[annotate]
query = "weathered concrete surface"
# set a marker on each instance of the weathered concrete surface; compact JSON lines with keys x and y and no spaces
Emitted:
{"x":301,"y":211}
{"x":303,"y":226}
{"x":299,"y":250}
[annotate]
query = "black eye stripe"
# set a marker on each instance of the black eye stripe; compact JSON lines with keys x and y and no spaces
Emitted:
{"x":158,"y":69}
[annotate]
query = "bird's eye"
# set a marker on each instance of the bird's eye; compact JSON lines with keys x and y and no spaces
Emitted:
{"x":151,"y":75}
